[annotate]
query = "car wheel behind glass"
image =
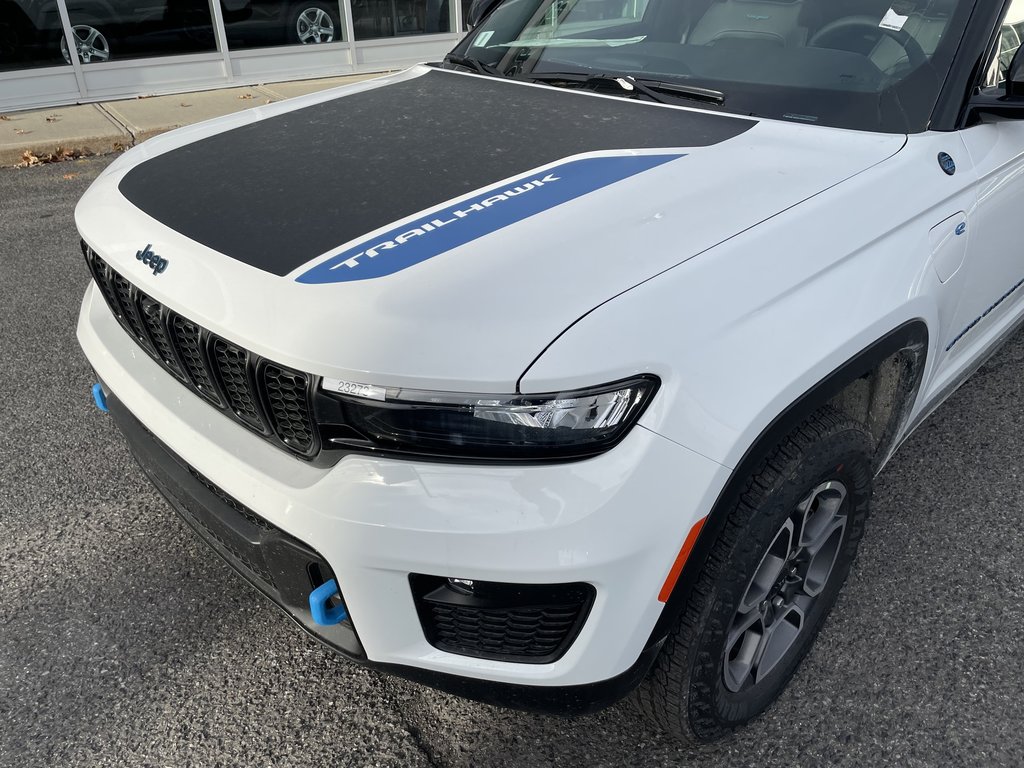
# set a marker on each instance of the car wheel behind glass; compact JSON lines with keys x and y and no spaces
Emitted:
{"x":92,"y":45}
{"x":768,"y":584}
{"x":315,"y":22}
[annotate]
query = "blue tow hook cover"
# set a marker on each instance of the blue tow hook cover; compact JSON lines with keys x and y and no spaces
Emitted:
{"x":319,"y":599}
{"x":99,"y":398}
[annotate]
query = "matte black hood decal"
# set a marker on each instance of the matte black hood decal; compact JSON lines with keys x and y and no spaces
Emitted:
{"x":279,"y":192}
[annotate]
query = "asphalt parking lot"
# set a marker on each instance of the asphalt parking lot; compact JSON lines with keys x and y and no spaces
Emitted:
{"x":123,"y":642}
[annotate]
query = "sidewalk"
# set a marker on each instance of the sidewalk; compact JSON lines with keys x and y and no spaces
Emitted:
{"x":27,"y":138}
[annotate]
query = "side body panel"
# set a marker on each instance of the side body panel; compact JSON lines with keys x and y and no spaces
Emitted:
{"x":992,"y":276}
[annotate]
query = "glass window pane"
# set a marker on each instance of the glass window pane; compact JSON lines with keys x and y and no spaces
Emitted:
{"x":1009,"y":42}
{"x":29,"y":35}
{"x":258,"y":23}
{"x":108,"y":30}
{"x":391,"y":18}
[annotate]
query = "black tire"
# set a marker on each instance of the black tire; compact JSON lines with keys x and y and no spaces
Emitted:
{"x":687,"y":693}
{"x":307,"y":9}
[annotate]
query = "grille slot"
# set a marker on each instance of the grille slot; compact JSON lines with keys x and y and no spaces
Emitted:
{"x":533,"y":632}
{"x":188,"y":337}
{"x":101,"y":273}
{"x":270,"y":399}
{"x":231,"y":501}
{"x":129,"y":312}
{"x":233,"y":372}
{"x":287,"y":393}
{"x":150,"y":313}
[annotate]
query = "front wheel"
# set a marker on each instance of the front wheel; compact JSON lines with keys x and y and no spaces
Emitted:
{"x":768,"y":584}
{"x":314,"y":21}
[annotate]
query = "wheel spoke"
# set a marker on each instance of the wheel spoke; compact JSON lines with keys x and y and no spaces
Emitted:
{"x":741,"y":648}
{"x":769,"y":569}
{"x":778,"y":638}
{"x":823,"y":558}
{"x":822,"y":505}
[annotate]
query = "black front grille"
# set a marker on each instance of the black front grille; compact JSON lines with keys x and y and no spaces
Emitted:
{"x":270,"y":399}
{"x":524,"y":623}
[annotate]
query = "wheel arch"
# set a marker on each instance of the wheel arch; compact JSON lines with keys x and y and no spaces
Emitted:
{"x":890,"y":368}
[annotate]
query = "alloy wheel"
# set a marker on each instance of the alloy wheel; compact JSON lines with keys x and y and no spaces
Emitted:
{"x":90,"y":43}
{"x":314,"y":25}
{"x":791,"y":575}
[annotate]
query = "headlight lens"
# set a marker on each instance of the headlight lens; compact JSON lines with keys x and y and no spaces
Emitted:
{"x":561,"y":425}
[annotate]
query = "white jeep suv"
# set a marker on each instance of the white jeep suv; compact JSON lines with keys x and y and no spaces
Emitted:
{"x":565,"y":365}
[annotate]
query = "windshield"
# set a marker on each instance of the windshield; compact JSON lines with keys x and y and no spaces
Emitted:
{"x":862,"y":64}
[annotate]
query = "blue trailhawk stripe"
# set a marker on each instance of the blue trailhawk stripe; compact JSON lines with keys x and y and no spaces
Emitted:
{"x":486,"y":212}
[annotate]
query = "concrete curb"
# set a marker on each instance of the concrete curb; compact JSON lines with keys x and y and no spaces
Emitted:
{"x":84,"y":129}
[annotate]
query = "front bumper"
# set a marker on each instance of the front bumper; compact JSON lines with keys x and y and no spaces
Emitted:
{"x":616,"y":522}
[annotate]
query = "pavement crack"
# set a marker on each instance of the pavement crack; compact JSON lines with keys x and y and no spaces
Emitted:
{"x":434,"y":760}
{"x":133,"y":139}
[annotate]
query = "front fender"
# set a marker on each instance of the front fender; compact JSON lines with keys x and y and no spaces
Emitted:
{"x":743,"y":331}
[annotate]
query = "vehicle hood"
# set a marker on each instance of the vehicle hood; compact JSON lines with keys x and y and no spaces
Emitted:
{"x":439,"y":229}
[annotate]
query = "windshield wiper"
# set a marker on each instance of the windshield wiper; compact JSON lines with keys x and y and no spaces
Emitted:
{"x":469,"y":62}
{"x":694,"y":92}
{"x":652,"y":89}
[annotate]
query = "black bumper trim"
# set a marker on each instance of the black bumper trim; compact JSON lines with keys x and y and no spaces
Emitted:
{"x":281,"y":567}
{"x":202,"y":509}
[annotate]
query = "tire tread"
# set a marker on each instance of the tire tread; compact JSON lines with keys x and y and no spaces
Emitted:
{"x":667,"y":697}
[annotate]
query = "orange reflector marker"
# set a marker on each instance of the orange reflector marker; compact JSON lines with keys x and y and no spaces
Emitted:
{"x":677,"y":566}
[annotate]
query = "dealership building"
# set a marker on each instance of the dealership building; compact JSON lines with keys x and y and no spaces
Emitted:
{"x":124,"y":48}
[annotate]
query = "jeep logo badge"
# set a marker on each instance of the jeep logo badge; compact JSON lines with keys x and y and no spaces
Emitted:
{"x":151,"y":260}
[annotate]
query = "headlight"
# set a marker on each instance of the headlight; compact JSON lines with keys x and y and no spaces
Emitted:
{"x":562,"y":425}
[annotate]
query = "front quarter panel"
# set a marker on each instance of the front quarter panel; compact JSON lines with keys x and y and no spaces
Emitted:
{"x":741,"y":332}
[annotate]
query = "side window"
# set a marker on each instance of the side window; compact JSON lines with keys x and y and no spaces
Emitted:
{"x":1008,"y":45}
{"x":1009,"y":42}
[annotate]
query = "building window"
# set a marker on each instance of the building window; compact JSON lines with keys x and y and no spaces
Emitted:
{"x":393,"y":18}
{"x":30,"y":35}
{"x":105,"y":32}
{"x":284,"y":22}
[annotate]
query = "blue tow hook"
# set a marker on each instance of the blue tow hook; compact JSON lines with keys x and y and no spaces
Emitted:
{"x":99,"y":398}
{"x":319,"y":601}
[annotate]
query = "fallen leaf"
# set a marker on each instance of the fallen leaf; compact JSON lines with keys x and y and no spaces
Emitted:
{"x":70,"y":176}
{"x":21,"y":131}
{"x":5,"y":118}
{"x":60,"y":154}
{"x":53,"y":118}
{"x":245,"y":96}
{"x":183,"y":104}
{"x":269,"y":101}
